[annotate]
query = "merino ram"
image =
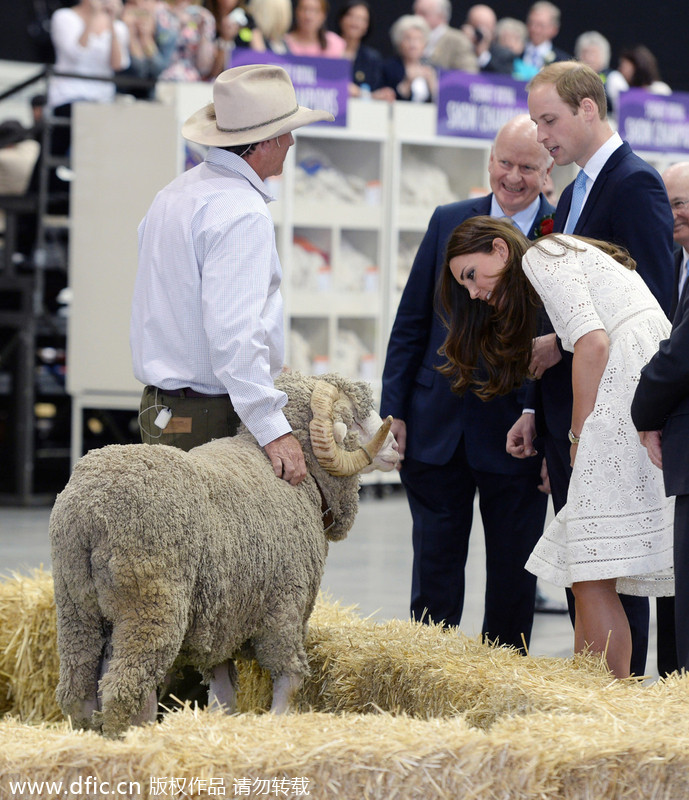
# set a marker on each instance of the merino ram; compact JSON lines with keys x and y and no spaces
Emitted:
{"x":163,"y":557}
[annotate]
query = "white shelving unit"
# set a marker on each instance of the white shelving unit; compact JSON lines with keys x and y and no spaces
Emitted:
{"x":427,"y":171}
{"x":333,"y":246}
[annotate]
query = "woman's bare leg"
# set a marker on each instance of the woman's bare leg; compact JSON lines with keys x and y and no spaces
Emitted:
{"x":601,"y":623}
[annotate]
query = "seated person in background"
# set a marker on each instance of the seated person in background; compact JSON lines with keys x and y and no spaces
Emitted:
{"x":511,"y":34}
{"x":273,"y":18}
{"x":310,"y":35}
{"x":637,"y":68}
{"x":480,"y":28}
{"x":235,"y":27}
{"x":354,"y":22}
{"x":150,"y":45}
{"x":543,"y":25}
{"x":593,"y":49}
{"x":193,"y":57}
{"x":447,"y":48}
{"x":408,"y":75}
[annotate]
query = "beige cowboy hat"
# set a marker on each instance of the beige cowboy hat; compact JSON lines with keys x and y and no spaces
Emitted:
{"x":250,"y":104}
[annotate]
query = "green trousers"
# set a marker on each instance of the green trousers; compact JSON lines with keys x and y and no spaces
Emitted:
{"x":194,"y":420}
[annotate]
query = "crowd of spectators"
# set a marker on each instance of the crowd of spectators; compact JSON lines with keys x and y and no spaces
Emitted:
{"x":189,"y":40}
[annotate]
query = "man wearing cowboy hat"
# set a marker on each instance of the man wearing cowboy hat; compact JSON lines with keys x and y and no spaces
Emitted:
{"x":207,"y":324}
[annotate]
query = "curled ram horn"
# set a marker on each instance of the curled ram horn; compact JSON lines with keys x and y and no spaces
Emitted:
{"x":335,"y":460}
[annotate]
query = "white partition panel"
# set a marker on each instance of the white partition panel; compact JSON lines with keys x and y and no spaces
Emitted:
{"x":122,"y":155}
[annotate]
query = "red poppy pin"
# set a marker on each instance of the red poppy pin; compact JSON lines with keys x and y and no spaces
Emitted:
{"x":544,"y":226}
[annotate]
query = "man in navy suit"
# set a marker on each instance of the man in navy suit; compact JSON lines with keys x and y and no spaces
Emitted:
{"x":676,"y":180}
{"x":660,"y":411}
{"x":625,"y":202}
{"x":454,"y":445}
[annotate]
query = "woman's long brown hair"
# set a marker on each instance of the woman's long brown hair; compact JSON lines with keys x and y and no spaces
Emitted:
{"x":488,"y":347}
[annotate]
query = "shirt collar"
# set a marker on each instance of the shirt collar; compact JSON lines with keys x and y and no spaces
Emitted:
{"x":598,"y":160}
{"x":523,"y":219}
{"x":233,"y":163}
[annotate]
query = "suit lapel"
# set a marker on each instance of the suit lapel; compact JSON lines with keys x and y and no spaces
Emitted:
{"x":599,"y":184}
{"x":562,"y":210}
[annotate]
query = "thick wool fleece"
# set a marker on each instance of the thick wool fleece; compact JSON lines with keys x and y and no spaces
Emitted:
{"x":187,"y":558}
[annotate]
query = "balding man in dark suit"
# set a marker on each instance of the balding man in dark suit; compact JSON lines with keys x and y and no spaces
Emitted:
{"x":453,"y":446}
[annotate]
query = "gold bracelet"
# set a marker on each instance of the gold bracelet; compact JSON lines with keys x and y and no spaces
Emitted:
{"x":572,"y":438}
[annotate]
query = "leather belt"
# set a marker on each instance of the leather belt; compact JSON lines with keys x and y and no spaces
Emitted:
{"x":187,"y":392}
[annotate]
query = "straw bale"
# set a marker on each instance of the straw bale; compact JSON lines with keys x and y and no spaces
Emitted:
{"x":29,"y":665}
{"x":626,"y":753}
{"x":425,"y":671}
{"x":373,"y":756}
{"x":594,"y":756}
{"x":393,"y":710}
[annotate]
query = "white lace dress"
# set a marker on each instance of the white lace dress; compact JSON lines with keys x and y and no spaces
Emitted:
{"x":617,"y":522}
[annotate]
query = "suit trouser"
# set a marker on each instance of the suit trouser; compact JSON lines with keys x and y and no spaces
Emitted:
{"x":636,"y":608}
{"x":681,"y":559}
{"x":441,"y":500}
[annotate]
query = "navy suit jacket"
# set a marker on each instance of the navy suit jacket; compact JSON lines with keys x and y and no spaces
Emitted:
{"x":661,"y":400}
{"x":413,"y":389}
{"x":627,"y":205}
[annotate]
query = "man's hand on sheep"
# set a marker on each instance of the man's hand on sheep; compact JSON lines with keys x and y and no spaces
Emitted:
{"x":399,"y":431}
{"x":287,"y":458}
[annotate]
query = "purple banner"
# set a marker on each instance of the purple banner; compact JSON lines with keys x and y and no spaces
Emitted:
{"x":320,"y":83}
{"x":654,"y":122}
{"x":477,"y":105}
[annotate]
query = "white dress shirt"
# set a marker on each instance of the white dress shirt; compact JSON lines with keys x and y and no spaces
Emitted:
{"x":207,"y":310}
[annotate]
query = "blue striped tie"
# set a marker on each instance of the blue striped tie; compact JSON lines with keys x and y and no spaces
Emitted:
{"x":577,"y":201}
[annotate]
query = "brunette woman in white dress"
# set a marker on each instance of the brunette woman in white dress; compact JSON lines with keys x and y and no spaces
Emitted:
{"x":615,"y":533}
